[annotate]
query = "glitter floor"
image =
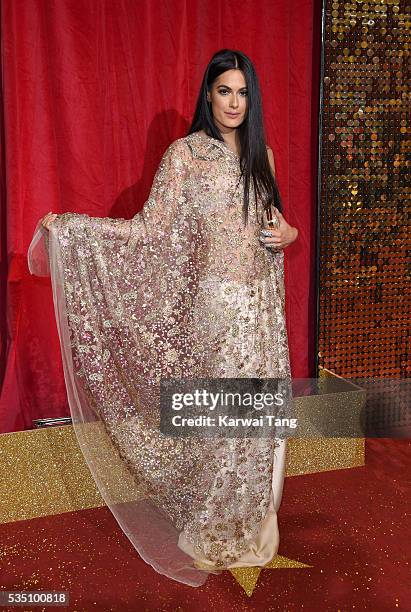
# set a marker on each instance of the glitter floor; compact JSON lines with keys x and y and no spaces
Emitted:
{"x":349,"y":528}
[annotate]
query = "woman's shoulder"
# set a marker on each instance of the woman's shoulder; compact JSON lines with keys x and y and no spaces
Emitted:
{"x":177,"y":155}
{"x":200,"y":146}
{"x":175,"y":148}
{"x":196,"y":146}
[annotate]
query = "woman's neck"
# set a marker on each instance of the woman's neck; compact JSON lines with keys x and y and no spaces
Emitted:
{"x":231,"y":140}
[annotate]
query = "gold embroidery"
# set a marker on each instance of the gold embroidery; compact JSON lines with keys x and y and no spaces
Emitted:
{"x":182,"y":289}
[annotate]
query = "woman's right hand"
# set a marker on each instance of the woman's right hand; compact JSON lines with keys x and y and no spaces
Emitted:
{"x":48,"y":220}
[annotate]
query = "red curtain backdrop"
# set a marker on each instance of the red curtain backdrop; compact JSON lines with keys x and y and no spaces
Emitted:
{"x":93,"y":93}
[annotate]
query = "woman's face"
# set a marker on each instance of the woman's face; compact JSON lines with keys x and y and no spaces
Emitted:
{"x":228,"y":98}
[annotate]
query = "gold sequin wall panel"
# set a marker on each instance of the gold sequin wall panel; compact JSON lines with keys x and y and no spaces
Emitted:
{"x":364,"y":297}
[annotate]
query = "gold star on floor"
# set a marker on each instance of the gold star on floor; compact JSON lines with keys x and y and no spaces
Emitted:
{"x":247,"y":577}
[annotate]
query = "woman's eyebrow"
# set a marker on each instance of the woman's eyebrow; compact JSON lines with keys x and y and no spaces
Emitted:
{"x":227,"y":87}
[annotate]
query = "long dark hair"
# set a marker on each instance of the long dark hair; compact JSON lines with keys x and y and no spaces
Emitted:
{"x":254,"y":162}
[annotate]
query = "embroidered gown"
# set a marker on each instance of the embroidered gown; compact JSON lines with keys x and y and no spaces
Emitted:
{"x":182,"y":289}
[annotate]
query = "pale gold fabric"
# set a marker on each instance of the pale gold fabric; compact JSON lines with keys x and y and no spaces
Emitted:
{"x":264,"y":546}
{"x":180,"y":290}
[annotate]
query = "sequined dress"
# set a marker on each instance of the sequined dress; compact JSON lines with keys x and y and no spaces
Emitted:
{"x":182,"y":289}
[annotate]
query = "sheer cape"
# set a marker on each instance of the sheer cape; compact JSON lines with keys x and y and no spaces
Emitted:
{"x":180,"y":290}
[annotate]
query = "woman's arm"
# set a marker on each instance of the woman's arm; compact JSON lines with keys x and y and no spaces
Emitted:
{"x":285,"y":234}
{"x":271,"y":159}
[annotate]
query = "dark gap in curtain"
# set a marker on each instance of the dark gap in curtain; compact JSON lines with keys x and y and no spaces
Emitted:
{"x":3,"y":224}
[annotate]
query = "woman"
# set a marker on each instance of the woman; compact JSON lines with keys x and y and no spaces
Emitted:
{"x":187,"y":288}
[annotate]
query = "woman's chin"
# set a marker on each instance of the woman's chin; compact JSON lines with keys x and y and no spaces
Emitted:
{"x":233,"y":123}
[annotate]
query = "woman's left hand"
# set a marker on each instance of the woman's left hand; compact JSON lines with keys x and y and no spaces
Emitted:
{"x":281,"y":237}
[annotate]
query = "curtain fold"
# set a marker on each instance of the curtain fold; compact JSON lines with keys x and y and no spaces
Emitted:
{"x":94,"y":92}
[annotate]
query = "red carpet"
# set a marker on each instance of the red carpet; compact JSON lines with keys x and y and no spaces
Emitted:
{"x":349,"y":525}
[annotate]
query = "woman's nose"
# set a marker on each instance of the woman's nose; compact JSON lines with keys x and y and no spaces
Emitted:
{"x":234,"y":102}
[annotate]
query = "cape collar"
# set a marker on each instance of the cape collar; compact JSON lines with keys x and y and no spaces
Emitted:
{"x":205,"y":147}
